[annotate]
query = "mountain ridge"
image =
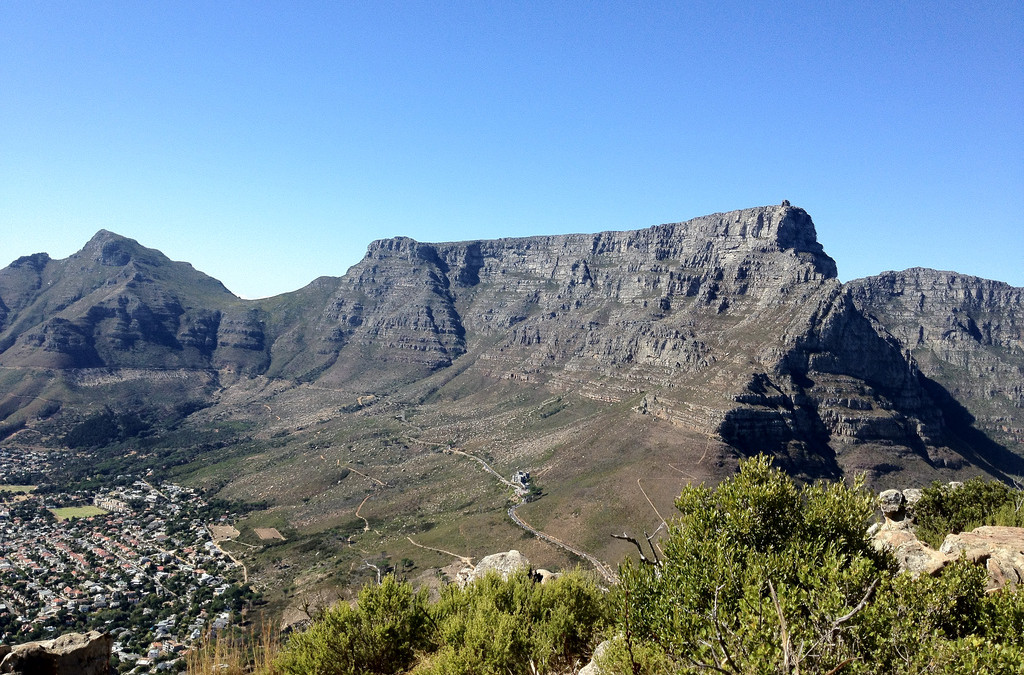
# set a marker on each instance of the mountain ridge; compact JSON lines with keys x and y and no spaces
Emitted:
{"x":613,"y":359}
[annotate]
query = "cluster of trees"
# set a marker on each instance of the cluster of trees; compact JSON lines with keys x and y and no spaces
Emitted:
{"x":758,"y":575}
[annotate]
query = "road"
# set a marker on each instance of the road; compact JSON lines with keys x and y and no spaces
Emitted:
{"x":603,"y":569}
{"x":522,"y":493}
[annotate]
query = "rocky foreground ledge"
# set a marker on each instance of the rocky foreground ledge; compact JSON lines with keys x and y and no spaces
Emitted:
{"x":999,"y":549}
{"x":70,"y":654}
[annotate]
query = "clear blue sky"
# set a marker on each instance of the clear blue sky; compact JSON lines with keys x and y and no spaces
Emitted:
{"x":268,"y":143}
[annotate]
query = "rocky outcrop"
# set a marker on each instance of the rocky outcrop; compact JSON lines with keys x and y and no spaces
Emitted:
{"x":71,"y":654}
{"x":504,"y":564}
{"x":999,"y":549}
{"x":912,"y":555}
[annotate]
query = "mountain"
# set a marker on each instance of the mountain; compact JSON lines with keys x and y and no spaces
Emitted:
{"x":965,"y":335}
{"x":617,"y":366}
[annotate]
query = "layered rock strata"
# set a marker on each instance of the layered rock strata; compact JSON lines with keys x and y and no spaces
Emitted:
{"x":732,"y":325}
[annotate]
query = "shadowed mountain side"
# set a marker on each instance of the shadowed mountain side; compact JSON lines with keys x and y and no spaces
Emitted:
{"x":965,"y":336}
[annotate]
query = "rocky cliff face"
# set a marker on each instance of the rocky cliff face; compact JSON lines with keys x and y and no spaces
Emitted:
{"x":965,"y":335}
{"x":731,"y":325}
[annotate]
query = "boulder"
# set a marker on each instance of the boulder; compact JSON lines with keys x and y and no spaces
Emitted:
{"x":592,"y":667}
{"x":1000,"y":549}
{"x":504,"y":564}
{"x":70,"y":654}
{"x":912,"y":554}
{"x":893,"y":504}
{"x":912,"y":496}
{"x":544,"y":576}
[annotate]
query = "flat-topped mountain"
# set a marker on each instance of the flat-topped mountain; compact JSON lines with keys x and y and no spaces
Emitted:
{"x":591,"y":357}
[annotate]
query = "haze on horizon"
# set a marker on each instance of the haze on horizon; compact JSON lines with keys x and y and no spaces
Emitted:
{"x":268,"y":145}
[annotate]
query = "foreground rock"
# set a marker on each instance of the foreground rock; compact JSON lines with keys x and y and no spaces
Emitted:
{"x":912,"y":555}
{"x":999,"y":549}
{"x":71,"y":654}
{"x":593,"y":668}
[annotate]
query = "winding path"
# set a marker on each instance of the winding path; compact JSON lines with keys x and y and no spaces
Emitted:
{"x":465,"y":559}
{"x":603,"y":569}
{"x":522,"y":493}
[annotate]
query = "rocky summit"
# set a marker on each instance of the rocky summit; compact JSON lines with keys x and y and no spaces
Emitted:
{"x":616,"y":366}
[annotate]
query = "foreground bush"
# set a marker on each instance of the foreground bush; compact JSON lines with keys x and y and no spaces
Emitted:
{"x":943,"y":510}
{"x":491,"y":627}
{"x":762,"y":576}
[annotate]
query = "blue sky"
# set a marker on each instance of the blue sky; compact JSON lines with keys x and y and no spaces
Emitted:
{"x":268,"y":143}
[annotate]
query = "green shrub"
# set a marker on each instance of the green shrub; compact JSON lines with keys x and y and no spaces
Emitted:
{"x":943,"y":510}
{"x":500,"y":627}
{"x":761,"y":576}
{"x":381,"y":634}
{"x":493,"y":626}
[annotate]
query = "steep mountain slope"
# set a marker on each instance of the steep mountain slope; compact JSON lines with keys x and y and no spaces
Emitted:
{"x":965,"y":334}
{"x":615,"y":366}
{"x":117,"y":304}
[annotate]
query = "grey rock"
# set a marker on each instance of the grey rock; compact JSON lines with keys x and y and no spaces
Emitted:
{"x":70,"y":654}
{"x":912,"y":496}
{"x":592,"y":667}
{"x":892,"y":503}
{"x":504,"y":564}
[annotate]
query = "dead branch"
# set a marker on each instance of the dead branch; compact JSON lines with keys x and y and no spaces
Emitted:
{"x":655,"y":561}
{"x":784,"y":628}
{"x":860,"y":605}
{"x":375,"y":568}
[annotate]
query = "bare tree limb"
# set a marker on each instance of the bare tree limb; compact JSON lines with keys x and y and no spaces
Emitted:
{"x":375,"y":568}
{"x":840,"y":667}
{"x":650,"y":543}
{"x":860,"y":605}
{"x":786,"y":647}
{"x":656,"y":562}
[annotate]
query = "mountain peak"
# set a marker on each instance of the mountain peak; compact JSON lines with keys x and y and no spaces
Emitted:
{"x":114,"y":250}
